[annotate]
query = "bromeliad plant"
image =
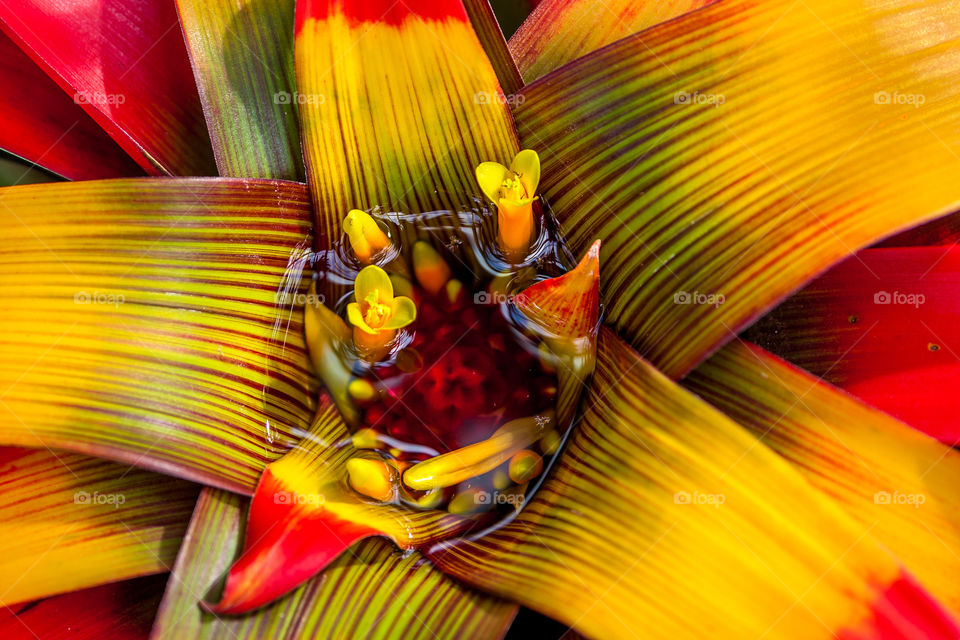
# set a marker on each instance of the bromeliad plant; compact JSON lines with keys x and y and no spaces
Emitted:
{"x":403,"y":359}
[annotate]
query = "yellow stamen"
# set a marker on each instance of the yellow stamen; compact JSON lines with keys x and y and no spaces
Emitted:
{"x":366,"y":237}
{"x":467,"y":462}
{"x":372,"y":478}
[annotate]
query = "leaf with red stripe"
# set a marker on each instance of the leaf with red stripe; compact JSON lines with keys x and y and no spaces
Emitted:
{"x":885,"y":326}
{"x":125,"y":63}
{"x":44,"y":125}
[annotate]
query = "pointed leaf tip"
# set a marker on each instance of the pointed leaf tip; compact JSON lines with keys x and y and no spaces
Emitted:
{"x":567,"y":306}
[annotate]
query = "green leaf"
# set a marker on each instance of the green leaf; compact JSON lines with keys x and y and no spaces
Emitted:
{"x":242,"y":56}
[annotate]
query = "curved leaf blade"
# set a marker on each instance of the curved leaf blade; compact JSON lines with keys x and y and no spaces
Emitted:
{"x":737,"y":151}
{"x":559,"y":31}
{"x":663,"y":518}
{"x":69,"y":522}
{"x":405,"y":129}
{"x":373,"y":591}
{"x":885,"y":475}
{"x":882,"y":326}
{"x":137,"y":86}
{"x":242,"y":56}
{"x":144,"y":322}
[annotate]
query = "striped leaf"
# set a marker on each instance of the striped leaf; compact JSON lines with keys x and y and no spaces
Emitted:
{"x":883,"y":326}
{"x":399,"y":104}
{"x":901,"y":484}
{"x":242,"y":55}
{"x":664,"y":519}
{"x":124,"y":62}
{"x":373,"y":592}
{"x":143,"y":322}
{"x":488,"y":31}
{"x":44,"y":125}
{"x":69,"y":522}
{"x":728,"y":156}
{"x":559,"y":31}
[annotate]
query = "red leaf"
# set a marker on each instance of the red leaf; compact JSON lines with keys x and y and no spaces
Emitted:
{"x":126,"y":63}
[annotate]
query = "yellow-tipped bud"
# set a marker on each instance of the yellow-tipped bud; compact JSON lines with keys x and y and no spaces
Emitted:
{"x":377,"y":314}
{"x":362,"y":391}
{"x":367,"y":239}
{"x":513,"y":189}
{"x":372,"y":478}
{"x":365,"y":438}
{"x":431,"y":270}
{"x":525,"y":466}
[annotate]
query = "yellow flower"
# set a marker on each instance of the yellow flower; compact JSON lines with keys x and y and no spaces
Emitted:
{"x":377,"y":314}
{"x":513,"y":189}
{"x":366,"y":237}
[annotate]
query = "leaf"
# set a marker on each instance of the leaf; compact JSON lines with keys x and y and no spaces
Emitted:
{"x":488,"y":31}
{"x":559,"y":31}
{"x":304,"y":515}
{"x":730,"y":155}
{"x":885,"y":475}
{"x":664,"y":519}
{"x":119,"y":611}
{"x":373,"y":591}
{"x":69,"y":522}
{"x":881,"y":325}
{"x":405,"y":129}
{"x":124,"y":62}
{"x":45,"y":126}
{"x":242,"y":56}
{"x":146,"y":323}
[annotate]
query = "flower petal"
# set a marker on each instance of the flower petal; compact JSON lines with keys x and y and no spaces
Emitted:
{"x":883,"y":326}
{"x":691,"y":172}
{"x":405,"y":129}
{"x":659,"y":504}
{"x":355,"y":317}
{"x":69,"y":522}
{"x":404,"y":312}
{"x":373,"y":280}
{"x":139,"y":86}
{"x":373,"y":582}
{"x":242,"y":56}
{"x":901,"y":484}
{"x":141,"y":318}
{"x":560,"y":31}
{"x":59,"y":136}
{"x":490,"y":177}
{"x":527,"y":165}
